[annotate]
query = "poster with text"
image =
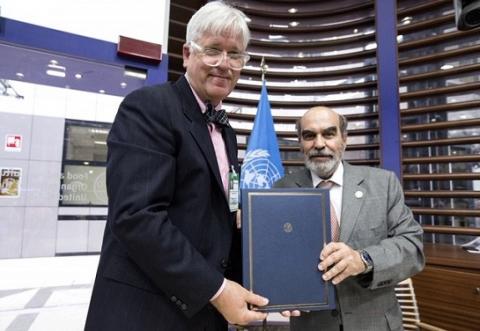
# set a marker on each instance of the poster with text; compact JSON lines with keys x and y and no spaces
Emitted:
{"x":10,"y":182}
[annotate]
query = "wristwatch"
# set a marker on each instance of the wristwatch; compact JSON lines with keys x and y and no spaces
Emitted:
{"x":367,"y":261}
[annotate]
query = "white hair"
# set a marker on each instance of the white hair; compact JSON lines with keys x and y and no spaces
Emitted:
{"x":218,"y":18}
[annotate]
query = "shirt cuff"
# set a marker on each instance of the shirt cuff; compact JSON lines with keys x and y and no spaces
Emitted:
{"x":220,"y":290}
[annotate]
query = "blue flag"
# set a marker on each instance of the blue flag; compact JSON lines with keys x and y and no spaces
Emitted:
{"x":262,"y":165}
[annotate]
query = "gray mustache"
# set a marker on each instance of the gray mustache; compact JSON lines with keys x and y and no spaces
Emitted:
{"x":312,"y":154}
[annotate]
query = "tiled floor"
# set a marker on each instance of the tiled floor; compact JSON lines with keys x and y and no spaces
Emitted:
{"x":52,"y":293}
{"x":43,"y":294}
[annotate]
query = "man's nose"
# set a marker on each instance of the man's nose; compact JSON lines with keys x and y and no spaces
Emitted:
{"x":224,"y":61}
{"x":319,"y":142}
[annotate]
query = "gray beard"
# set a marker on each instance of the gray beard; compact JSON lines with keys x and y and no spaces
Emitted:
{"x":322,"y":169}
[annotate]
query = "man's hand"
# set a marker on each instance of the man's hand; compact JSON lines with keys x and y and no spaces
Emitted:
{"x":339,"y":261}
{"x":233,"y":302}
{"x":290,"y":313}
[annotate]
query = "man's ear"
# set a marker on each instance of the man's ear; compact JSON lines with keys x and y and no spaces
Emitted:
{"x":186,"y":54}
{"x":344,"y":138}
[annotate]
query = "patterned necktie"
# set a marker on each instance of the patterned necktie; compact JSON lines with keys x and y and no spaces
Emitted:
{"x":216,"y":116}
{"x":326,"y":184}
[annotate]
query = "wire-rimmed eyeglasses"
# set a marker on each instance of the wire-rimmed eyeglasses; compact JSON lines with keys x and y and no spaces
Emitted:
{"x":212,"y":57}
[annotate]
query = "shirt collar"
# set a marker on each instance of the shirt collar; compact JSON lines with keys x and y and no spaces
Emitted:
{"x":200,"y":102}
{"x":336,"y":178}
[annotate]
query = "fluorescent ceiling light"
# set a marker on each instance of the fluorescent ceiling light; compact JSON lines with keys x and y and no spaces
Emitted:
{"x":56,"y":66}
{"x":55,"y":73}
{"x":135,"y":72}
{"x":53,"y":69}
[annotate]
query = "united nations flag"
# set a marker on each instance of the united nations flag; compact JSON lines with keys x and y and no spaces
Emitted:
{"x":262,"y":165}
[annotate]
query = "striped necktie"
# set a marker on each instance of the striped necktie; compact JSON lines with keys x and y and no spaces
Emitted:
{"x":335,"y":227}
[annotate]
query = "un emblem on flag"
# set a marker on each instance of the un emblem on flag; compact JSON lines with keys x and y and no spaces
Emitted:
{"x":258,"y":171}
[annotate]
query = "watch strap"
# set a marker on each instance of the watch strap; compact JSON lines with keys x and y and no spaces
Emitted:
{"x":367,"y":261}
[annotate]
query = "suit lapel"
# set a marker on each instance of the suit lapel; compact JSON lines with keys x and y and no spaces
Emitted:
{"x":230,"y":140}
{"x":303,"y":178}
{"x":352,"y":200}
{"x":198,"y":128}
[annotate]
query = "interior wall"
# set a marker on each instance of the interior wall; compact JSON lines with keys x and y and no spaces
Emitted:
{"x":29,"y":224}
{"x":103,"y":19}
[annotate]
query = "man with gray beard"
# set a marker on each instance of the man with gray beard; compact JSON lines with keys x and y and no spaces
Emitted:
{"x":377,"y":242}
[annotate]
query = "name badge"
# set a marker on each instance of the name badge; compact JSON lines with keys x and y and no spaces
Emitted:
{"x":233,"y":192}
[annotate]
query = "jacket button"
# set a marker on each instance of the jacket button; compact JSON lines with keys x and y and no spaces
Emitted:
{"x":179,"y":303}
{"x":184,"y":307}
{"x":173,"y":298}
{"x":225,"y":263}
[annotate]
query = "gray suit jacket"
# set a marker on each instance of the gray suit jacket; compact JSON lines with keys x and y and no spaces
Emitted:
{"x":379,"y":222}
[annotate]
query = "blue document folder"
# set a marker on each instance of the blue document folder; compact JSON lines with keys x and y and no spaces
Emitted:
{"x":283,"y":232}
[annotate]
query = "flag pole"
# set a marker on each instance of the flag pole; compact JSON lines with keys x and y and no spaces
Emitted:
{"x":262,"y":164}
{"x":264,"y":68}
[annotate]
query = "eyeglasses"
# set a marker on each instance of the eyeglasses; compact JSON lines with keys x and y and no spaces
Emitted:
{"x":212,"y":57}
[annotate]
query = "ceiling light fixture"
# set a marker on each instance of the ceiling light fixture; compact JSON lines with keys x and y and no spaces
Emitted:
{"x":55,"y":70}
{"x":55,"y":73}
{"x":293,"y":24}
{"x":135,"y":72}
{"x":292,"y":10}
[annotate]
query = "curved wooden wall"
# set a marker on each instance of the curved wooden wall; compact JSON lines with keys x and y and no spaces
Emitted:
{"x":440,"y":112}
{"x":323,"y":53}
{"x":318,"y":53}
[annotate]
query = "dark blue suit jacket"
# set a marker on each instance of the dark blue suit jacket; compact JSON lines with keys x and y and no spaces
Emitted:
{"x":170,"y":237}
